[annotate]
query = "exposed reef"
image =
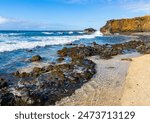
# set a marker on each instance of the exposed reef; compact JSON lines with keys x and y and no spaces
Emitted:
{"x":46,"y":85}
{"x":49,"y":84}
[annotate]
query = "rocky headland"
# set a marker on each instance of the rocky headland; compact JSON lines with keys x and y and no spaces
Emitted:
{"x":127,"y":26}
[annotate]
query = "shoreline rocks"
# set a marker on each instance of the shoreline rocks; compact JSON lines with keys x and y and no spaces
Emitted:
{"x":126,"y":59}
{"x":46,"y":85}
{"x":105,"y":51}
{"x":35,"y":58}
{"x":89,"y":31}
{"x":3,"y":83}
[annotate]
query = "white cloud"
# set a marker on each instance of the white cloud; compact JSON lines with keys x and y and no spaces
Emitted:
{"x":76,"y":1}
{"x":13,"y":23}
{"x":139,"y":7}
{"x":3,"y":20}
{"x":85,"y":1}
{"x":19,"y":24}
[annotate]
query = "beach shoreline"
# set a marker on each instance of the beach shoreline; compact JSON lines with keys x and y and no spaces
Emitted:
{"x":106,"y":87}
{"x":77,"y":82}
{"x":128,"y":86}
{"x":136,"y":90}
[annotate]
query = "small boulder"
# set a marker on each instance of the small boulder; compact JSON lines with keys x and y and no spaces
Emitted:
{"x":37,"y":70}
{"x":63,"y":52}
{"x":16,"y":73}
{"x":49,"y":68}
{"x":3,"y":83}
{"x":89,"y":30}
{"x":81,"y":45}
{"x":36,"y":58}
{"x":60,"y":59}
{"x":126,"y":59}
{"x":24,"y":74}
{"x":147,"y":51}
{"x":29,"y":50}
{"x":8,"y":99}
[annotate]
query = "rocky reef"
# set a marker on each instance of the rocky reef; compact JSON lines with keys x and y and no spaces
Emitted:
{"x":127,"y":26}
{"x":104,"y":51}
{"x":46,"y":85}
{"x":49,"y":84}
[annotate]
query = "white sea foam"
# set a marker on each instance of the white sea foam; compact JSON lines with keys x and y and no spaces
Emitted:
{"x":98,"y":33}
{"x":11,"y":45}
{"x":14,"y":34}
{"x":47,"y":33}
{"x":81,"y":32}
{"x":10,"y":34}
{"x":3,"y":35}
{"x":70,"y":32}
{"x":15,"y":43}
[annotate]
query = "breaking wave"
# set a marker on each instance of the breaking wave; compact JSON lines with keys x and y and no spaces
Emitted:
{"x":10,"y":43}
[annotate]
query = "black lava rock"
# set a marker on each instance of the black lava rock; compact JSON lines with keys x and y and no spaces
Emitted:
{"x":36,"y":58}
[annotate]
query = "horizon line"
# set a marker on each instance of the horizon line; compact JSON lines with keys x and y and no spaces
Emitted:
{"x":38,"y":30}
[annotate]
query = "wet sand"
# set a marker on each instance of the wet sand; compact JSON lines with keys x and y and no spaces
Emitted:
{"x":137,"y":85}
{"x":106,"y":87}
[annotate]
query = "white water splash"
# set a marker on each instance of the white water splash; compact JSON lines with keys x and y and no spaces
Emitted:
{"x":10,"y":43}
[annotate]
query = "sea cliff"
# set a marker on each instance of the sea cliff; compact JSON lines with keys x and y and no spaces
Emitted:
{"x":127,"y":26}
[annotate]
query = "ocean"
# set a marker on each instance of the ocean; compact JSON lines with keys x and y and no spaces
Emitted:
{"x":15,"y":45}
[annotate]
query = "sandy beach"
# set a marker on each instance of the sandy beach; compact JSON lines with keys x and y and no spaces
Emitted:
{"x":106,"y":87}
{"x":136,"y":91}
{"x":116,"y":83}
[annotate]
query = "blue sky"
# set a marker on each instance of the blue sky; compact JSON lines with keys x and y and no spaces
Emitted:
{"x":66,"y":14}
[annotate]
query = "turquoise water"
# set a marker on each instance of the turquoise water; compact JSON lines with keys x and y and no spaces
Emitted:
{"x":14,"y":45}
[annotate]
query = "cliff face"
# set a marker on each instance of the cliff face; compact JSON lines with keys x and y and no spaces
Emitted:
{"x":138,"y":24}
